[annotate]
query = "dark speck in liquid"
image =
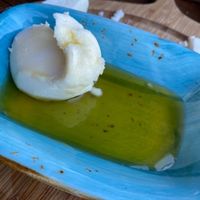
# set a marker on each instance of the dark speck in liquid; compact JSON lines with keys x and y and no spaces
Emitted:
{"x":116,"y":126}
{"x":156,"y":44}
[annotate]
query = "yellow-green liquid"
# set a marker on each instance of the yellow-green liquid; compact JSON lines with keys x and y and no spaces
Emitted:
{"x":131,"y":122}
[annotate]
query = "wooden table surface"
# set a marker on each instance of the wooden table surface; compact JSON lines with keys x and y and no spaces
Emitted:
{"x":162,"y":17}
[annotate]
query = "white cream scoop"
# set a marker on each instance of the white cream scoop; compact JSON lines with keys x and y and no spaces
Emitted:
{"x":56,"y":65}
{"x":81,"y":5}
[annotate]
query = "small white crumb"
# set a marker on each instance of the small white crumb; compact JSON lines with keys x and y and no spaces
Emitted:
{"x":118,"y":15}
{"x":165,"y":163}
{"x":10,"y":49}
{"x":142,"y":167}
{"x":194,"y":43}
{"x":46,"y":24}
{"x":101,"y":13}
{"x":184,"y":43}
{"x":96,"y":92}
{"x":149,"y":85}
{"x":81,"y":5}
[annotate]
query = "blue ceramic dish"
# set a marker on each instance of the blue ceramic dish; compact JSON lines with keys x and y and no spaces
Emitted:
{"x":88,"y":175}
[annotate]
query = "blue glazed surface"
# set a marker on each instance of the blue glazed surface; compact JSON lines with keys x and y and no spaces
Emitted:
{"x":178,"y":70}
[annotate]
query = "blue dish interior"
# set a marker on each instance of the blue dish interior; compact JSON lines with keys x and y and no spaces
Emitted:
{"x":179,"y":71}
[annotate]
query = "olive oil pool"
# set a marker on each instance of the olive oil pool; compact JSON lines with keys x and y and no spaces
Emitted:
{"x":134,"y":122}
